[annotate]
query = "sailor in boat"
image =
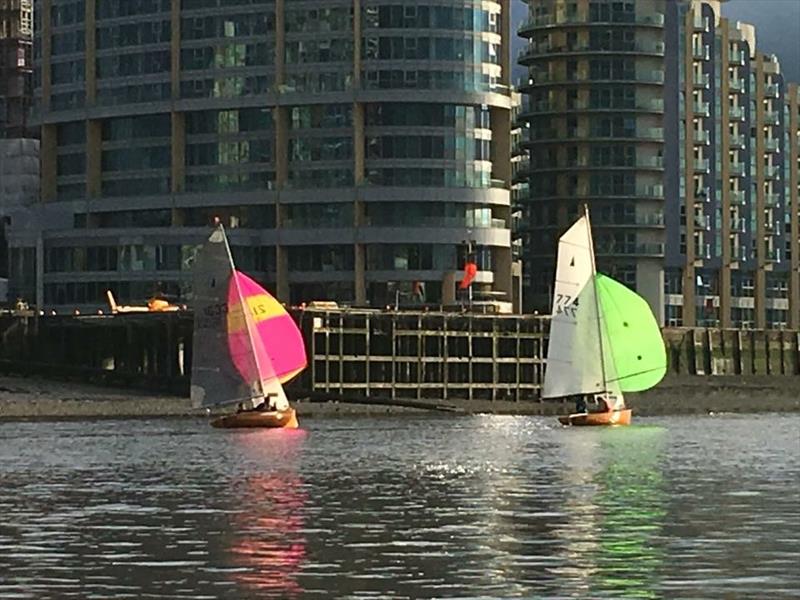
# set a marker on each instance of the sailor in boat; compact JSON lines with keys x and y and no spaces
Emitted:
{"x":596,"y":404}
{"x":266,"y":405}
{"x":580,"y":403}
{"x":603,"y":404}
{"x":271,"y":403}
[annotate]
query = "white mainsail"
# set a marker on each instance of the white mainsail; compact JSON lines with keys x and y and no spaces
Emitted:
{"x":577,"y":355}
{"x":215,"y":379}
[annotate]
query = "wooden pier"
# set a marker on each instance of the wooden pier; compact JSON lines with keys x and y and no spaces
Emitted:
{"x":366,"y":353}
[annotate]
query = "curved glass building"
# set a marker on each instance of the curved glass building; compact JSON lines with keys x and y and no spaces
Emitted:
{"x":357,"y":150}
{"x":595,"y":111}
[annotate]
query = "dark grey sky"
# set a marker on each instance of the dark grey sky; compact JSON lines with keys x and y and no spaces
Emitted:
{"x":777,"y":29}
{"x":777,"y":25}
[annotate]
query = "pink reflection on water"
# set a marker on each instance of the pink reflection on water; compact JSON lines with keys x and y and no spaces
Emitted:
{"x":269,"y":542}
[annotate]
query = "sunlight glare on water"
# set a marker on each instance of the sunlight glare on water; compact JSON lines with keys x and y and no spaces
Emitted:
{"x":430,"y":507}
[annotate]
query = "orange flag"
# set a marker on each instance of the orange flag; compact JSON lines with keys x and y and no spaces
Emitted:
{"x":470,"y":270}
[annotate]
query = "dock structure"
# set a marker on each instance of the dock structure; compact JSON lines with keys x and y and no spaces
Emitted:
{"x":142,"y":350}
{"x":366,"y":353}
{"x":424,"y":355}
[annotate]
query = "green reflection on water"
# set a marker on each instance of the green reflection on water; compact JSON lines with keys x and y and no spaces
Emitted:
{"x":632,"y":506}
{"x":617,"y":507}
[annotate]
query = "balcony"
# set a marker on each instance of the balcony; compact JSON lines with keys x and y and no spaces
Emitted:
{"x":736,"y":85}
{"x":547,"y":21}
{"x":772,"y":117}
{"x":772,"y":255}
{"x":653,"y":162}
{"x":652,"y":249}
{"x":652,"y":133}
{"x":772,"y":200}
{"x":700,"y":22}
{"x":772,"y":90}
{"x":738,"y":141}
{"x":701,"y":165}
{"x":655,"y":19}
{"x":738,"y":197}
{"x":738,"y":225}
{"x":700,"y":52}
{"x":655,"y":105}
{"x":737,"y":169}
{"x":544,"y":50}
{"x":701,"y":108}
{"x":651,"y":191}
{"x":772,"y":172}
{"x":772,"y":145}
{"x":702,"y":222}
{"x":740,"y":253}
{"x":542,"y":77}
{"x":736,"y":113}
{"x":701,"y":80}
{"x":702,"y":251}
{"x":651,"y":220}
{"x":655,"y":76}
{"x":702,"y":137}
{"x":736,"y":57}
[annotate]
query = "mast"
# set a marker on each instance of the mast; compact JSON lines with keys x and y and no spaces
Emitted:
{"x":596,"y":297}
{"x":248,"y":318}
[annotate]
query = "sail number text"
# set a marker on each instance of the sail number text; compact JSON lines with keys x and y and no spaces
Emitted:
{"x":566,"y":305}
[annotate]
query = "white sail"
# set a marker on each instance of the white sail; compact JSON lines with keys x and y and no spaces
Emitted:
{"x":215,"y":379}
{"x":575,"y":362}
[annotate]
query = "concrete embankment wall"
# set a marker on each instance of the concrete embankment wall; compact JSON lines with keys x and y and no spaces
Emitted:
{"x":473,"y":361}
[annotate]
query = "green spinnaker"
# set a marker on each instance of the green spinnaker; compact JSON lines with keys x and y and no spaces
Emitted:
{"x":637,"y":348}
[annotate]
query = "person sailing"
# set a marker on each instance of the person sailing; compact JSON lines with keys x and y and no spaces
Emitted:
{"x":273,"y":403}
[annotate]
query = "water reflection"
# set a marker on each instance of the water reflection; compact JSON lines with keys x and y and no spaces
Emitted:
{"x":616,"y":504}
{"x":492,"y":507}
{"x":269,"y":546}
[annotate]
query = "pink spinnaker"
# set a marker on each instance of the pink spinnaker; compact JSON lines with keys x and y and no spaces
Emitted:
{"x":264,"y":341}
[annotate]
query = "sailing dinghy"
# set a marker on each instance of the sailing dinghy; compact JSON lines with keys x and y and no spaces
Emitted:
{"x":245,"y":346}
{"x":604,"y":339}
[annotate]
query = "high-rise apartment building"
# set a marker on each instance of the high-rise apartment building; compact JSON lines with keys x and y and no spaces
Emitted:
{"x":595,"y":110}
{"x":358,"y":150}
{"x":16,"y":67}
{"x":663,"y":117}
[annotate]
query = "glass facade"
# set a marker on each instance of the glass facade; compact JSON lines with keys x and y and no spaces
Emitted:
{"x":314,"y":147}
{"x":227,"y":51}
{"x":68,"y":60}
{"x":397,"y":33}
{"x":135,"y":158}
{"x":321,"y":146}
{"x":457,"y":139}
{"x":319,"y":46}
{"x":230,"y":150}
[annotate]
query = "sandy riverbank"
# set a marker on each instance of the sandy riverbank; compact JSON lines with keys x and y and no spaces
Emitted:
{"x":36,"y":398}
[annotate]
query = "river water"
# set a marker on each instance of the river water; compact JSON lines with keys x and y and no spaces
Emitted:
{"x":429,"y":507}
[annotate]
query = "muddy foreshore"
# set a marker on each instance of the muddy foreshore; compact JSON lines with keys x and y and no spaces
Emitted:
{"x":37,"y":398}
